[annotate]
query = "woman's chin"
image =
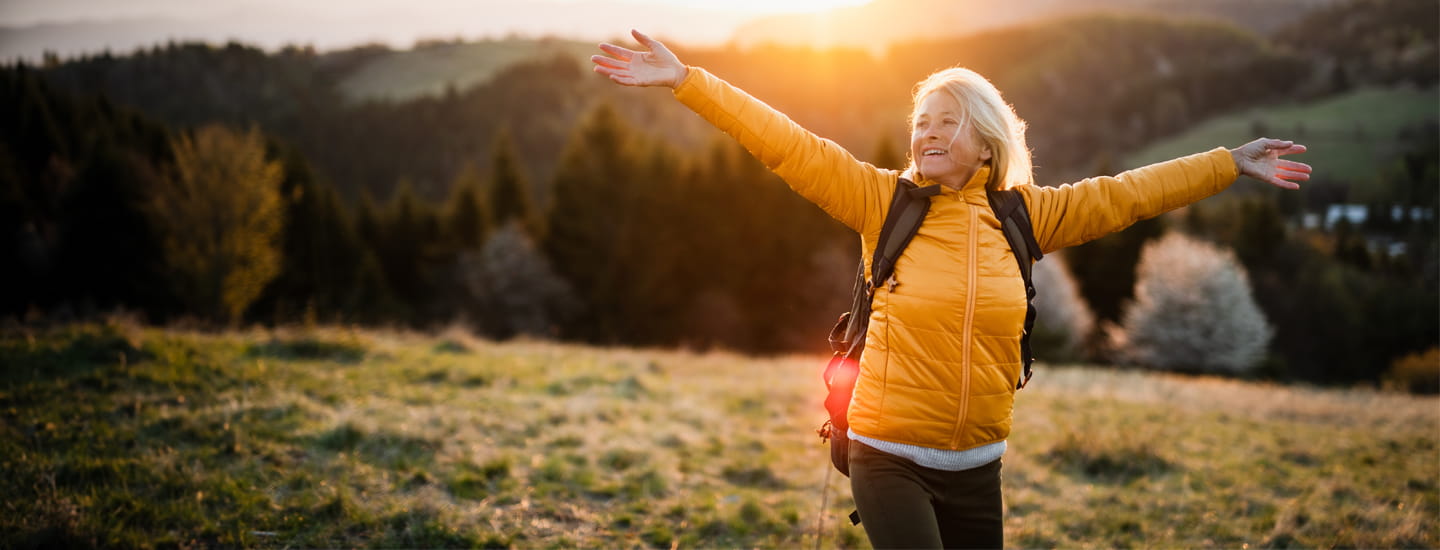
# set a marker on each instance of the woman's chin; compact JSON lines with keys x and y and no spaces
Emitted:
{"x":935,"y":168}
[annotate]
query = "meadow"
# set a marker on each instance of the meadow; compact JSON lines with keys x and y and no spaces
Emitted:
{"x":120,"y":435}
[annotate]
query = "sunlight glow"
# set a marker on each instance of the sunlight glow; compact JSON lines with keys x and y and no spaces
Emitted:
{"x":70,"y":27}
{"x":759,"y":7}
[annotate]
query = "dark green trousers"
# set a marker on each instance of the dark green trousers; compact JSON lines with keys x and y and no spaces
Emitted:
{"x":905,"y":505}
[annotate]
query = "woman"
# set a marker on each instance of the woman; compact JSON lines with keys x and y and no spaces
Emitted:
{"x":932,"y":407}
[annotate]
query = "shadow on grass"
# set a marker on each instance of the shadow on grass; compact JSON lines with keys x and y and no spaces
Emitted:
{"x":424,"y":528}
{"x":1103,"y":462}
{"x":477,"y":481}
{"x":753,"y":476}
{"x":381,"y":448}
{"x":68,"y":350}
{"x":311,"y":347}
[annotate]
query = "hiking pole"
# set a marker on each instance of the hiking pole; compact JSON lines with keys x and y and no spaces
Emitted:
{"x":824,"y":497}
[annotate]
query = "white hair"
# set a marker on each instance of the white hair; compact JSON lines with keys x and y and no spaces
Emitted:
{"x":992,"y":120}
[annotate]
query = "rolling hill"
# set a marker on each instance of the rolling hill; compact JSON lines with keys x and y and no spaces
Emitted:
{"x":429,"y":69}
{"x":931,"y":19}
{"x":1351,"y":136}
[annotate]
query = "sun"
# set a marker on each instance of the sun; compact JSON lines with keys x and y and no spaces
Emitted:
{"x":772,"y":6}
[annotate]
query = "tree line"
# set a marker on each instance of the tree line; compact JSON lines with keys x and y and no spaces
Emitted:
{"x":1097,"y":86}
{"x":643,"y":245}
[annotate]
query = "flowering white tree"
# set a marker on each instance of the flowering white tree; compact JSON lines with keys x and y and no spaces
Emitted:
{"x":1193,"y":310}
{"x":1062,"y":318}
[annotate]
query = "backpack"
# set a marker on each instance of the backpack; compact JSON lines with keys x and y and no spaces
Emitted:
{"x":847,"y":339}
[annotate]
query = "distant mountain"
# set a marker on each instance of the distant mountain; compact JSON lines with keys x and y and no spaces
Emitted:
{"x":881,"y":22}
{"x":394,"y":23}
{"x":119,"y":36}
{"x":77,"y":37}
{"x":431,"y":68}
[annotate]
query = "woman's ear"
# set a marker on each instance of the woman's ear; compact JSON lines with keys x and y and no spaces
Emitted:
{"x":985,"y":154}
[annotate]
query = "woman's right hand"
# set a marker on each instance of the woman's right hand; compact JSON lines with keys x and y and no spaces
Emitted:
{"x":654,"y":67}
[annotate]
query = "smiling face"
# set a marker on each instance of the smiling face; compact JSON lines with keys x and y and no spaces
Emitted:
{"x":944,"y":146}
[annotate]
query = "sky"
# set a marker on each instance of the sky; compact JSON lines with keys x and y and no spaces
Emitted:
{"x":70,"y":27}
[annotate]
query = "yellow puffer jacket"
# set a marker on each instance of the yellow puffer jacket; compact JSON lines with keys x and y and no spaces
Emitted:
{"x":943,"y":352}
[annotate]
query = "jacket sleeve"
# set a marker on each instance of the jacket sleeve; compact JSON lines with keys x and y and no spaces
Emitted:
{"x":818,"y":169}
{"x":1077,"y":213}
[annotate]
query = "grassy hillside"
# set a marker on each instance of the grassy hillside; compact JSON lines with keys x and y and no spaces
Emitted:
{"x":427,"y":70}
{"x":1351,"y":137}
{"x":121,"y":436}
{"x":856,"y":26}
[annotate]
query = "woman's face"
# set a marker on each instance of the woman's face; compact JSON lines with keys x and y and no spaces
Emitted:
{"x":944,"y":147}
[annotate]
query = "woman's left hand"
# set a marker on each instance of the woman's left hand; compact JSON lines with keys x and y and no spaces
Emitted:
{"x":1260,"y":159}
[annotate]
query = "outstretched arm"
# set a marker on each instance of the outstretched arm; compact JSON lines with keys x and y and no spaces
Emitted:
{"x":818,"y":169}
{"x":1073,"y":214}
{"x":656,"y":67}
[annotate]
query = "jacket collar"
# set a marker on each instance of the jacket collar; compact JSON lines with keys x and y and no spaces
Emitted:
{"x":973,"y":191}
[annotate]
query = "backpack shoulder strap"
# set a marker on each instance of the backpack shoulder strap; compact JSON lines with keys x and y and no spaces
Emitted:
{"x":908,"y":206}
{"x":1014,"y":216}
{"x":907,"y":209}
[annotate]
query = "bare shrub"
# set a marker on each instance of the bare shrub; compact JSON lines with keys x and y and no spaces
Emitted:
{"x":1416,"y":373}
{"x":1062,"y":318}
{"x":514,"y":286}
{"x":1193,"y":311}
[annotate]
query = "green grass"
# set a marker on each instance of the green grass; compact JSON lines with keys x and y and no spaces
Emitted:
{"x":1351,"y":137}
{"x":116,"y":435}
{"x":409,"y":74}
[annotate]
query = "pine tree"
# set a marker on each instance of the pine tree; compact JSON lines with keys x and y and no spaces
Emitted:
{"x":342,"y":289}
{"x":467,"y":221}
{"x":665,"y":213}
{"x":509,"y":189}
{"x":404,"y":241}
{"x":322,"y":251}
{"x":588,"y":226}
{"x":12,"y":226}
{"x":368,"y":222}
{"x":1261,"y":233}
{"x":75,"y":173}
{"x":104,"y":226}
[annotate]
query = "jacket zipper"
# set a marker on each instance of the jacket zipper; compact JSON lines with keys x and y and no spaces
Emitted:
{"x":969,"y":326}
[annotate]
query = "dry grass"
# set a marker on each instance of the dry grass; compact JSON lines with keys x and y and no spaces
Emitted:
{"x":332,"y":437}
{"x":1162,"y":460}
